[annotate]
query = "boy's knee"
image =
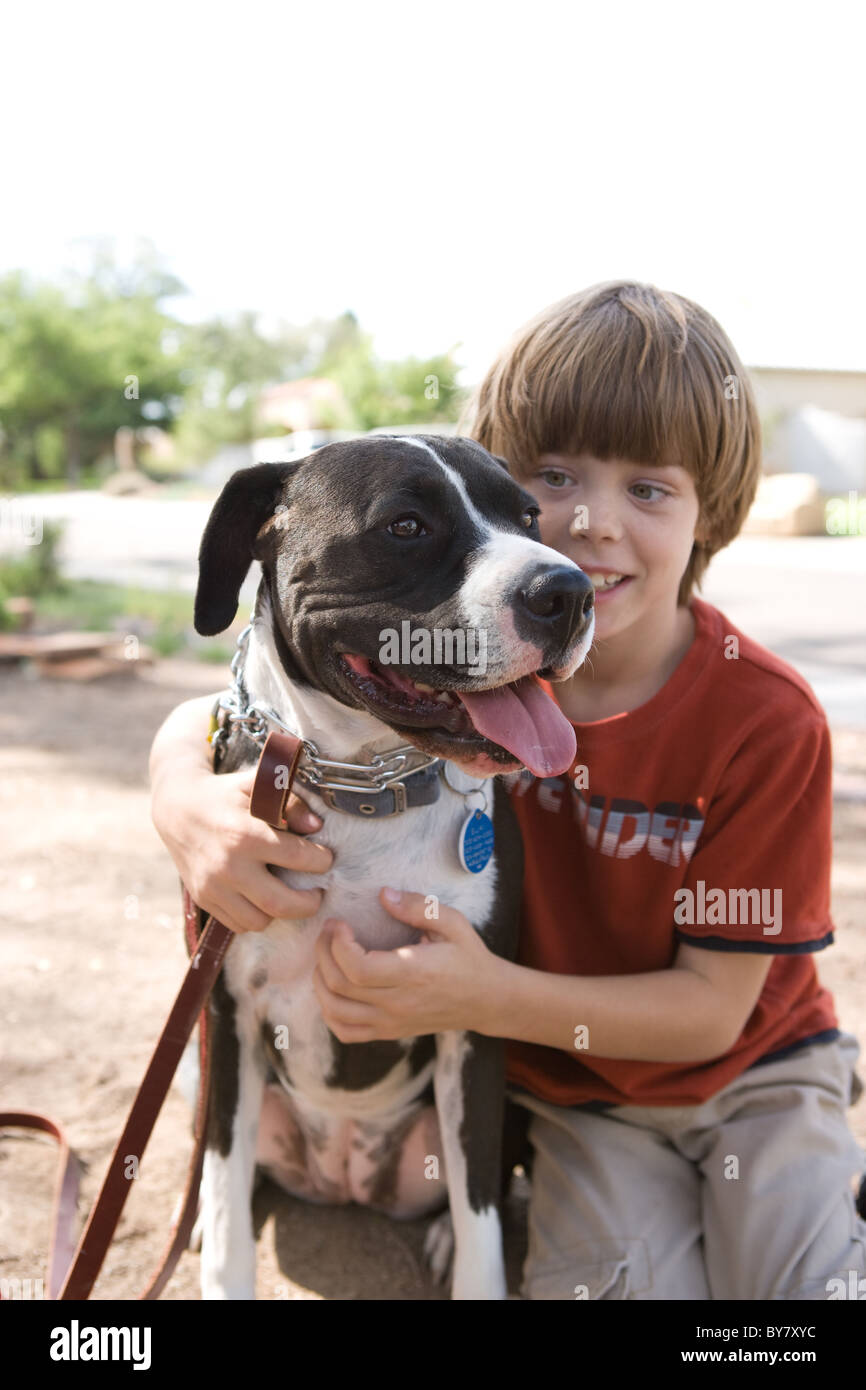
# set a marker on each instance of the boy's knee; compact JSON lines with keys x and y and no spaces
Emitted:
{"x":816,"y":1277}
{"x":612,"y":1269}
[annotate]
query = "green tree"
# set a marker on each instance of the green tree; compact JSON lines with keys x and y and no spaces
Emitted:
{"x":79,"y":360}
{"x":227,"y":363}
{"x":377,"y":392}
{"x":99,"y":350}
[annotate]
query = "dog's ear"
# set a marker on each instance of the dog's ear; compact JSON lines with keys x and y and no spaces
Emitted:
{"x":247,"y":501}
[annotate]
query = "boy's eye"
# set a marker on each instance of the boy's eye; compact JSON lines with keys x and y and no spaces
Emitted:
{"x":642,"y":490}
{"x":550,"y":474}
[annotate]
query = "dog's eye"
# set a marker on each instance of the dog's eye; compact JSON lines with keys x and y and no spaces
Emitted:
{"x":530,"y":516}
{"x":407,"y":526}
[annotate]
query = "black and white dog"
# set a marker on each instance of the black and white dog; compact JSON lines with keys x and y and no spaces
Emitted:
{"x":369,"y":549}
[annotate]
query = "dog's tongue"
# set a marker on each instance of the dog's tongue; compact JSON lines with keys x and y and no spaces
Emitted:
{"x":524,"y":719}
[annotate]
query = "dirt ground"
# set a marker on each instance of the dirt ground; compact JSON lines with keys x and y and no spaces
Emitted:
{"x":91,"y":956}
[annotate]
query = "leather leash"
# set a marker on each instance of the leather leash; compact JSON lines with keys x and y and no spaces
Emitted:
{"x":72,"y":1276}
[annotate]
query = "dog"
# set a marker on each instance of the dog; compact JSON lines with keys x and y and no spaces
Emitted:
{"x":361,"y":543}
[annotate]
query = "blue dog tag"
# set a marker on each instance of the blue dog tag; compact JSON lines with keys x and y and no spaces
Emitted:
{"x":475,"y":845}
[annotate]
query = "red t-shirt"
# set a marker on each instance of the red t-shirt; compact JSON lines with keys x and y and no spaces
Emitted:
{"x":720,"y":784}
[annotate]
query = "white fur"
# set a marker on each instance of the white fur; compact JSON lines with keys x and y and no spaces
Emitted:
{"x":479,"y":1265}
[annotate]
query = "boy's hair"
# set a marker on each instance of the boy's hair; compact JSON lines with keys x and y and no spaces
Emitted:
{"x":625,"y":370}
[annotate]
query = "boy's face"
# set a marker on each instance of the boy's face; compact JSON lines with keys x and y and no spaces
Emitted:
{"x":629,"y":526}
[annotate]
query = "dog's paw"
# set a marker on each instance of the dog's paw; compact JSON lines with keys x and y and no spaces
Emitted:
{"x":439,"y":1246}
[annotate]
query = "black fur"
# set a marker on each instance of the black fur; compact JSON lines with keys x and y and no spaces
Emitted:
{"x":227,"y":547}
{"x":224,"y":1069}
{"x":359,"y":1065}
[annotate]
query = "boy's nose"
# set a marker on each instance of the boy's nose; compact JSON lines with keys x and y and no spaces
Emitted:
{"x":599,"y":519}
{"x":559,"y":602}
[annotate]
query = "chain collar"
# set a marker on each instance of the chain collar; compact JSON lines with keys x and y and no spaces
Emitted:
{"x":256,"y":718}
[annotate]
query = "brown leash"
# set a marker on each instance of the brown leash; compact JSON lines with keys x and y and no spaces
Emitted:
{"x":72,"y":1276}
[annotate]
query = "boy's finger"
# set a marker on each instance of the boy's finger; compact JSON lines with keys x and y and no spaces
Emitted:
{"x":243,"y":779}
{"x":300,"y":818}
{"x":424,"y":911}
{"x":289,"y":850}
{"x":331,"y":972}
{"x":273,"y":897}
{"x":337,"y":1006}
{"x":370,"y":969}
{"x":237,"y":913}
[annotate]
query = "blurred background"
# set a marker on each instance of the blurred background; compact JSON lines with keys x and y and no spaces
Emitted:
{"x":232,"y":241}
{"x":232,"y":235}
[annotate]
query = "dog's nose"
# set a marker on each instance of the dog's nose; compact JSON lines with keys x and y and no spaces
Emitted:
{"x":560,"y":600}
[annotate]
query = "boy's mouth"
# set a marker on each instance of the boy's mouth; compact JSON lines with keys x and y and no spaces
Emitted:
{"x":606,"y":582}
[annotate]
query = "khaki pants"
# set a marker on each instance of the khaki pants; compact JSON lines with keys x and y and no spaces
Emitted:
{"x":747,"y":1196}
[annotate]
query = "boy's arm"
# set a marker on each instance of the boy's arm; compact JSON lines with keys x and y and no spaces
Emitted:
{"x":221,"y":851}
{"x":452,"y":981}
{"x":691,"y":1013}
{"x":181,"y":741}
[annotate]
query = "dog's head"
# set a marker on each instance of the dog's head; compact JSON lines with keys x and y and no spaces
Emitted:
{"x":407,"y":578}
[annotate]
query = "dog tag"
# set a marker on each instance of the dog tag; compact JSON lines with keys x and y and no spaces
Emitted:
{"x":475,"y":845}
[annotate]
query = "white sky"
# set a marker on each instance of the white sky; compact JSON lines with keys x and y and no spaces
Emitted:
{"x":448,"y":169}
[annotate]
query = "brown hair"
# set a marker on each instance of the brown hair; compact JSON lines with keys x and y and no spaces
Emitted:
{"x":625,"y":370}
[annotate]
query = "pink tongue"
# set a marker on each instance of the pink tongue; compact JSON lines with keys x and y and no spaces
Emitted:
{"x":523,"y":718}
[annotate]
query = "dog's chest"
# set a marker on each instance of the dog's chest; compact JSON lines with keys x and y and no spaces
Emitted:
{"x":270,"y":974}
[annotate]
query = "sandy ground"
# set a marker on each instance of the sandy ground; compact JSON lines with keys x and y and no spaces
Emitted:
{"x":91,"y":956}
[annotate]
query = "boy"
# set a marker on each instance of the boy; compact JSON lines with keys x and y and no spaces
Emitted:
{"x":681,"y":1064}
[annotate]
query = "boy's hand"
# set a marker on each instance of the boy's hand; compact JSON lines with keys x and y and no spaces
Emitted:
{"x":222,"y":851}
{"x":437,"y":985}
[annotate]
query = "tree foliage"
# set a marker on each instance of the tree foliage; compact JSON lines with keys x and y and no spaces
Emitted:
{"x":409,"y":391}
{"x":100,"y":349}
{"x":80,"y":359}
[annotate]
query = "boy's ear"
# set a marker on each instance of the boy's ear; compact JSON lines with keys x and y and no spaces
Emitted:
{"x":247,"y":501}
